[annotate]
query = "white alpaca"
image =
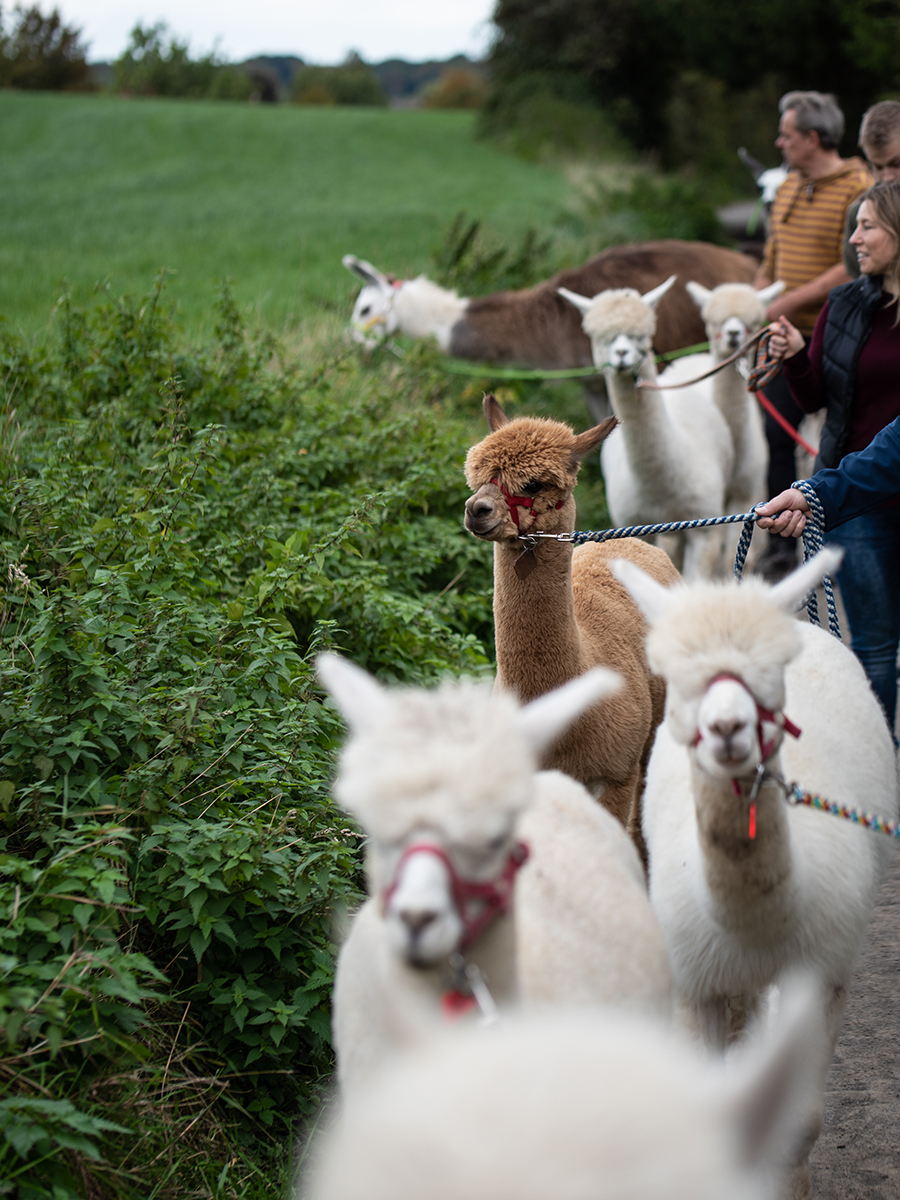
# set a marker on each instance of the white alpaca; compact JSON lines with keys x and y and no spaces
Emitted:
{"x":574,"y":1106}
{"x":745,"y":887}
{"x":445,"y":785}
{"x":732,"y":313}
{"x":671,"y":457}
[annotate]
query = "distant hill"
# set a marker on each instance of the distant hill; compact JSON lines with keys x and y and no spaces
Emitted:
{"x":403,"y":81}
{"x":274,"y":73}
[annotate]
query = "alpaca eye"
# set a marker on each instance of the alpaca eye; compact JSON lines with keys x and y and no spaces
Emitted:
{"x":532,"y":487}
{"x":364,"y":312}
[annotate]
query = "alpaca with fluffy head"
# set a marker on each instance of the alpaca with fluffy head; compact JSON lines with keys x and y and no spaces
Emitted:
{"x":671,"y":457}
{"x":577,"y":1105}
{"x":490,"y":883}
{"x":744,"y":885}
{"x":558,"y":612}
{"x":732,"y":313}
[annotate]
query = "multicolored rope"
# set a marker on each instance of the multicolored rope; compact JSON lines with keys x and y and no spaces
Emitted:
{"x":765,"y":367}
{"x":795,"y":795}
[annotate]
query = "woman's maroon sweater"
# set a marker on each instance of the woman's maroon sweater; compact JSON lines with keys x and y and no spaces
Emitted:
{"x":877,"y":399}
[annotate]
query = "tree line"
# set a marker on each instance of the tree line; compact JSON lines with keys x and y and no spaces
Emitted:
{"x":691,"y":79}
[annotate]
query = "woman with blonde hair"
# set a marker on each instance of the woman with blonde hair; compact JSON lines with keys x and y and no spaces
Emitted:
{"x":852,"y":368}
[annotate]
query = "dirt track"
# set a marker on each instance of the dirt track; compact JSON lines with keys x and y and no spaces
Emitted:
{"x":858,"y":1154}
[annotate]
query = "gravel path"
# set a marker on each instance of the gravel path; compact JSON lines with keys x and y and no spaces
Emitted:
{"x":858,"y":1154}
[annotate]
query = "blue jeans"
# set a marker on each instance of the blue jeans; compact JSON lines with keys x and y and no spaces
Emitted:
{"x":869,"y":580}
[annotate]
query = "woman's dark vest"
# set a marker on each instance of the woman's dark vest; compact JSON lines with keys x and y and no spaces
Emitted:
{"x":851,"y":311}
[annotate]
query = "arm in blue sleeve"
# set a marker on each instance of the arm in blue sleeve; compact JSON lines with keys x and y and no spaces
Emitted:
{"x":862,"y":480}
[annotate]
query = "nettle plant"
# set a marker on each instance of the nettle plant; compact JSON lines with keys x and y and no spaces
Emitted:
{"x":181,"y":534}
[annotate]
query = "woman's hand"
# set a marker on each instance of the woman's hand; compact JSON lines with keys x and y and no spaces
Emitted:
{"x":784,"y":514}
{"x":786,"y":341}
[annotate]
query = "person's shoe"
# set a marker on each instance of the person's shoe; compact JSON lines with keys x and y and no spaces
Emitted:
{"x":778,"y":561}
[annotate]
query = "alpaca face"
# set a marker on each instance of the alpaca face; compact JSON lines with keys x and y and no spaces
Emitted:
{"x":732,"y":312}
{"x":727,"y":729}
{"x":373,"y":316}
{"x":373,"y":313}
{"x":622,"y":354}
{"x":426,"y":911}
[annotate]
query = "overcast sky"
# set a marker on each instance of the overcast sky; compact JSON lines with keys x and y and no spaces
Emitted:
{"x":320,"y":31}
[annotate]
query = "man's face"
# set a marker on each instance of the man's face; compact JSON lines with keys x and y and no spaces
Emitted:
{"x":797,"y":148}
{"x":885,"y":163}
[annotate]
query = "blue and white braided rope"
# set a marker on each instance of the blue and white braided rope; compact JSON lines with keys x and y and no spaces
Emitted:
{"x":812,"y":543}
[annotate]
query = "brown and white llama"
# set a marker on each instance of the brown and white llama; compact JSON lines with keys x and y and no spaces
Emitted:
{"x":559,"y":611}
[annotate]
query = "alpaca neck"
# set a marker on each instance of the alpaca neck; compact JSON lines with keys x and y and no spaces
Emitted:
{"x":538,"y":640}
{"x":643,"y":421}
{"x":729,"y":392}
{"x":423,"y":309}
{"x":747,"y":877}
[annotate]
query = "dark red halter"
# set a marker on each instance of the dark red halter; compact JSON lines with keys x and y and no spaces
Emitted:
{"x":493,"y":895}
{"x":514,"y":503}
{"x":765,"y":748}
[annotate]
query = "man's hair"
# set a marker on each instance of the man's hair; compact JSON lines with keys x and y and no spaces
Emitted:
{"x":880,"y":126}
{"x":816,"y":112}
{"x":884,"y":204}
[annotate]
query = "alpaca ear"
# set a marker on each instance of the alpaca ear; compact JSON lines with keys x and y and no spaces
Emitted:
{"x":543,"y":720}
{"x":359,"y":697}
{"x":582,"y":303}
{"x":774,"y":1081}
{"x":591,"y":439}
{"x":790,"y":592}
{"x":366,"y":272}
{"x":653,"y":297}
{"x":651,"y":597}
{"x":496,"y":417}
{"x":698,"y":293}
{"x":768,"y":294}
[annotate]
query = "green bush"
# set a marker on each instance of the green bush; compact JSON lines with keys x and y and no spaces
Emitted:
{"x":181,"y":533}
{"x":475,"y":263}
{"x":156,"y":63}
{"x":354,"y":82}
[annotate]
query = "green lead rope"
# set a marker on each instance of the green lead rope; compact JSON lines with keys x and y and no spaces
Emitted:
{"x":455,"y":366}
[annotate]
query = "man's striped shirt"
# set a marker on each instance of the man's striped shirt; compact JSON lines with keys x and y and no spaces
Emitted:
{"x":806,"y":229}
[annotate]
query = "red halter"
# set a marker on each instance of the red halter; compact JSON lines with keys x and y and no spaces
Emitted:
{"x":514,"y":503}
{"x":765,"y":748}
{"x":494,"y":895}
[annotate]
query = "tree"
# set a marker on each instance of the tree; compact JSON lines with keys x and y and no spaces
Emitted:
{"x":156,"y":63}
{"x":637,"y":57}
{"x":42,"y":53}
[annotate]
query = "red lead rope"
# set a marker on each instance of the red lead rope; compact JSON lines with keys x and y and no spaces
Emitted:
{"x":494,"y":894}
{"x":765,"y":748}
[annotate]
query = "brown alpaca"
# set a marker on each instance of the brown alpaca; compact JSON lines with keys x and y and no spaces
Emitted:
{"x":569,"y":613}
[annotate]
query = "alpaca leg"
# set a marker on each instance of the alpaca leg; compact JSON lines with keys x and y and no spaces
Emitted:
{"x":619,"y":798}
{"x":798,"y":1177}
{"x":703,"y":554}
{"x":672,"y":544}
{"x":717,"y":1022}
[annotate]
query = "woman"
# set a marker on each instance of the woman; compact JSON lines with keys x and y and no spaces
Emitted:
{"x":852,"y":367}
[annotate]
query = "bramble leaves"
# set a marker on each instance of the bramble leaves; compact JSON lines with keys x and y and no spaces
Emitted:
{"x":181,"y":534}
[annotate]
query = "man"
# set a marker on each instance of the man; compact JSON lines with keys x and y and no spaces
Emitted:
{"x":879,"y":136}
{"x":804,"y":249}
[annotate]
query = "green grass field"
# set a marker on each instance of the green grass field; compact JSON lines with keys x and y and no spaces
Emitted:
{"x":102,"y":188}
